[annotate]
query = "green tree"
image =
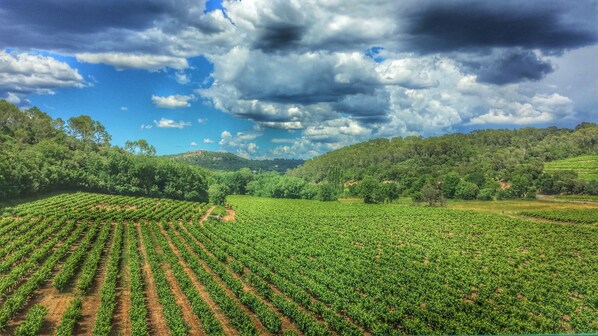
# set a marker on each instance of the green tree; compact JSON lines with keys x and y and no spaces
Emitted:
{"x":467,"y":190}
{"x":371,"y":190}
{"x":432,"y":195}
{"x":326,"y":192}
{"x":449,"y":185}
{"x":218,"y":194}
{"x":391,"y":191}
{"x":140,"y":147}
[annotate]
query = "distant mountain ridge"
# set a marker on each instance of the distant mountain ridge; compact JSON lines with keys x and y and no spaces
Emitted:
{"x":231,"y":162}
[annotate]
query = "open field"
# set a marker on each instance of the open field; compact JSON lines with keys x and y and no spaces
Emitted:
{"x":586,"y":166}
{"x":86,"y":263}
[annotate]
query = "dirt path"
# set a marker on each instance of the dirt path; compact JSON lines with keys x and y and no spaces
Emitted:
{"x":206,"y":214}
{"x":121,"y":321}
{"x":157,"y":321}
{"x":91,"y":301}
{"x":287,"y":324}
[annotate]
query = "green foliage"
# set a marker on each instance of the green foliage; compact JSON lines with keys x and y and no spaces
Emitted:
{"x":138,"y":313}
{"x":140,"y":147}
{"x":326,"y":192}
{"x":330,"y":267}
{"x":466,"y":190}
{"x":231,"y":162}
{"x":33,"y":321}
{"x":218,"y":194}
{"x":585,"y":166}
{"x":391,"y":191}
{"x":70,"y":318}
{"x":103,"y":324}
{"x":474,"y":269}
{"x":486,"y":194}
{"x":371,"y":190}
{"x":449,"y":186}
{"x":480,"y":157}
{"x":582,"y":216}
{"x":40,"y":154}
{"x":432,"y":195}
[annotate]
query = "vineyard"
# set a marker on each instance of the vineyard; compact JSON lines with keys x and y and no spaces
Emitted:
{"x":573,"y":216}
{"x":82,"y":263}
{"x":586,"y":166}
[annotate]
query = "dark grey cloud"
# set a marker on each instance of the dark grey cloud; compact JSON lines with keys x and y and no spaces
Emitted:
{"x":87,"y":25}
{"x":365,"y":108}
{"x":460,"y":25}
{"x":279,"y":37}
{"x":510,"y":66}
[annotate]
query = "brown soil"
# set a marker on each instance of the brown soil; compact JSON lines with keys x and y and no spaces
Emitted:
{"x":181,"y":300}
{"x":157,"y":321}
{"x":230,"y":216}
{"x":286,"y":322}
{"x":56,"y":303}
{"x":91,"y":301}
{"x":121,"y":321}
{"x":191,"y":319}
{"x":228,"y":328}
{"x":49,"y":297}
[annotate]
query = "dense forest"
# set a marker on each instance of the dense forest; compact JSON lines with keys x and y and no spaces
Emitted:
{"x":42,"y":154}
{"x":231,"y":162}
{"x":482,"y":164}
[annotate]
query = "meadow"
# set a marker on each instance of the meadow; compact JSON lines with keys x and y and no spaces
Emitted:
{"x":83,"y":263}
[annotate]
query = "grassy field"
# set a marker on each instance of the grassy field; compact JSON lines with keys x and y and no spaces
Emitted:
{"x":86,"y":263}
{"x":586,"y":166}
{"x":515,"y":207}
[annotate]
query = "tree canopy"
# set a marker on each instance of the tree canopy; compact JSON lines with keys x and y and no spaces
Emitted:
{"x":39,"y":154}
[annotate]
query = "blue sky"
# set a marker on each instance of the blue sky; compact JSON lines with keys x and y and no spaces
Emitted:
{"x":277,"y":78}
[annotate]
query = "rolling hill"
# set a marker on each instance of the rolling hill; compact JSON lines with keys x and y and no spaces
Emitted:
{"x":231,"y":162}
{"x":482,"y":154}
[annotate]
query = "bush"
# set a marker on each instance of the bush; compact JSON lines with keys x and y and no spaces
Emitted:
{"x":326,"y":192}
{"x":371,"y":190}
{"x":467,"y":190}
{"x":486,"y":194}
{"x":505,"y":194}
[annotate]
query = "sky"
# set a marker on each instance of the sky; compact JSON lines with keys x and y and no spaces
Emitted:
{"x":298,"y":78}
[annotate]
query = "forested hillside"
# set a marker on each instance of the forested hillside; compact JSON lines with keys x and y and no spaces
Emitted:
{"x":485,"y":161}
{"x":231,"y":162}
{"x":39,"y":154}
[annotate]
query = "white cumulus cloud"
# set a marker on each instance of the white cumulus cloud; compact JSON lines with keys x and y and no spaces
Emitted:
{"x":169,"y":123}
{"x":174,"y":101}
{"x":134,"y":61}
{"x":24,"y":73}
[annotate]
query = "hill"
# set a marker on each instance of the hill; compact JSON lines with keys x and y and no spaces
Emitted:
{"x":586,"y":166}
{"x":231,"y":162}
{"x":483,"y":157}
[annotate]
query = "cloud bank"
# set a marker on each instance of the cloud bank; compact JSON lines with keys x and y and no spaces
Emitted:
{"x":334,"y":72}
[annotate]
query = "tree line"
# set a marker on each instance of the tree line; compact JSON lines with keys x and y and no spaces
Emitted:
{"x":42,"y":154}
